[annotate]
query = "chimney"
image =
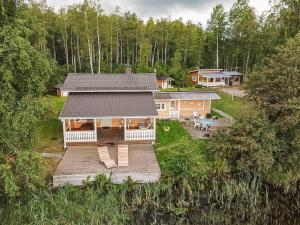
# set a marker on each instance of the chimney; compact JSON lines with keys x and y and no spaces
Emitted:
{"x":128,"y":69}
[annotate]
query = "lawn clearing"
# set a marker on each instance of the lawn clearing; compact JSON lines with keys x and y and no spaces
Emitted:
{"x":50,"y":137}
{"x":232,"y":106}
{"x":174,"y":145}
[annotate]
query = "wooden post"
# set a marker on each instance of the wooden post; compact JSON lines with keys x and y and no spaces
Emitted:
{"x":178,"y":109}
{"x":125,"y":128}
{"x":64,"y":129}
{"x":154,"y":127}
{"x":95,"y":129}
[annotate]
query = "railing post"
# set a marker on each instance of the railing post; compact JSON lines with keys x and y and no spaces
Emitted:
{"x":64,"y":133}
{"x":154,"y":128}
{"x":125,"y":129}
{"x":95,"y":130}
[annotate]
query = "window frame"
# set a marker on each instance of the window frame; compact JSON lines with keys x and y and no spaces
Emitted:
{"x":162,"y":106}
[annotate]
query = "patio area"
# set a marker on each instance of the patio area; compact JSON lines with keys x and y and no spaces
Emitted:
{"x":80,"y":163}
{"x":203,"y":133}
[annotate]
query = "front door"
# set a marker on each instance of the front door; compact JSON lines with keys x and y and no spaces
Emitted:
{"x":107,"y":122}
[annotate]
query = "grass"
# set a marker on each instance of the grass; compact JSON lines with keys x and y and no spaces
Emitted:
{"x":50,"y":137}
{"x":176,"y":144}
{"x":232,"y":106}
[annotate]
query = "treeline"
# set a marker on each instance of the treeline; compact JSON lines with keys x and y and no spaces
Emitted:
{"x":86,"y":39}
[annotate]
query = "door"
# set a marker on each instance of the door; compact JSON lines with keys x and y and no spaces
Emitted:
{"x":107,"y":122}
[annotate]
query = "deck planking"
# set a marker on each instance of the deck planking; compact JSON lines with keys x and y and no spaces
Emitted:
{"x":81,"y":163}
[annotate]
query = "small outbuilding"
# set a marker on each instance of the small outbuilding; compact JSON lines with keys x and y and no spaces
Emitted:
{"x":164,"y":82}
{"x":58,"y":90}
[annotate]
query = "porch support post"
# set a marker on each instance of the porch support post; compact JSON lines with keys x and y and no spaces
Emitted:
{"x":95,"y":129}
{"x":154,"y":127}
{"x":125,"y":128}
{"x":178,"y":109}
{"x":64,"y":130}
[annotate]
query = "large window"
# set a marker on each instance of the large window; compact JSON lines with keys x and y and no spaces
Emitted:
{"x":160,"y":106}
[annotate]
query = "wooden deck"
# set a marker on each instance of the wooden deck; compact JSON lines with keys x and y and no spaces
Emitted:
{"x":82,"y":162}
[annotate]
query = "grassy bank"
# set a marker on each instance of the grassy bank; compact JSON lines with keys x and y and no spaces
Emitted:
{"x":232,"y":106}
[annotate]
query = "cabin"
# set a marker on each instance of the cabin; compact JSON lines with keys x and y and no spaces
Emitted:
{"x":164,"y":82}
{"x":116,"y":114}
{"x":214,"y":77}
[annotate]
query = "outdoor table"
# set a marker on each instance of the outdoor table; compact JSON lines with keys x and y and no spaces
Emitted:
{"x":205,"y":122}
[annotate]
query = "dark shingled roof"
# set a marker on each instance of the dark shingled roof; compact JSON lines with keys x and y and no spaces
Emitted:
{"x":89,"y":105}
{"x":187,"y":95}
{"x":110,"y":82}
{"x":164,"y":78}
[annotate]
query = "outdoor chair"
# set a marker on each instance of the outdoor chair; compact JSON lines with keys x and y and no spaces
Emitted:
{"x":105,"y":158}
{"x":122,"y":155}
{"x":197,"y":124}
{"x":195,"y":115}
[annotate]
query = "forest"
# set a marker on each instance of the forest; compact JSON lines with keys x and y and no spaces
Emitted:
{"x":248,"y":174}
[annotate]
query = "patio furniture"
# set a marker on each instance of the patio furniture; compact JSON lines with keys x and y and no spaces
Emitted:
{"x":197,"y":124}
{"x":105,"y":158}
{"x":195,"y":115}
{"x":206,"y":123}
{"x":122,"y":155}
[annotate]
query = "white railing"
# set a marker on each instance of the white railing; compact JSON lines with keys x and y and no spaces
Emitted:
{"x":212,"y":84}
{"x":80,"y":136}
{"x":174,"y":114}
{"x":138,"y":134}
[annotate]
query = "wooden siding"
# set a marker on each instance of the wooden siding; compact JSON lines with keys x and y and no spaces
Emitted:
{"x":190,"y":77}
{"x":163,"y":113}
{"x":186,"y":108}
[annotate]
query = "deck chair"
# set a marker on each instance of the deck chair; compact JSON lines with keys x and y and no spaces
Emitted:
{"x":105,"y":158}
{"x":122,"y":155}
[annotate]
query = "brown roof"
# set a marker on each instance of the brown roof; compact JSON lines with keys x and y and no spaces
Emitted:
{"x":90,"y":105}
{"x":164,"y":78}
{"x":110,"y":82}
{"x":187,"y":95}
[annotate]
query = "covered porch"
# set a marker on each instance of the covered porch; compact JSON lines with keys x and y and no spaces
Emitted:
{"x":108,"y":130}
{"x":108,"y":118}
{"x":214,"y":80}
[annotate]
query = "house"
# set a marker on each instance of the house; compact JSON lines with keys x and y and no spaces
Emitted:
{"x":164,"y":82}
{"x":214,"y":77}
{"x":111,"y":110}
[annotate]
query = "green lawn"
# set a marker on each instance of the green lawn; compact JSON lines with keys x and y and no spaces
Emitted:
{"x":50,"y":137}
{"x":233,"y":107}
{"x":49,"y":129}
{"x":172,"y":145}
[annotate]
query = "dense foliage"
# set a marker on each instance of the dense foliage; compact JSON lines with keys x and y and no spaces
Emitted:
{"x":86,"y":39}
{"x":237,"y":180}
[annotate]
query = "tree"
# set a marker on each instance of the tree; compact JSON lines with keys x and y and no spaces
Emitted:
{"x":248,"y":146}
{"x":275,"y":86}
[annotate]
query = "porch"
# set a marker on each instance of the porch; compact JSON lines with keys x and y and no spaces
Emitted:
{"x":214,"y":80}
{"x":108,"y":130}
{"x":81,"y":163}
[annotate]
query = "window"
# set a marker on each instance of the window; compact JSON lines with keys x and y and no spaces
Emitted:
{"x":160,"y":106}
{"x":194,"y":78}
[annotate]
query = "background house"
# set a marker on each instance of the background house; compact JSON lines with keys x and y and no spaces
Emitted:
{"x":164,"y":82}
{"x":214,"y":77}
